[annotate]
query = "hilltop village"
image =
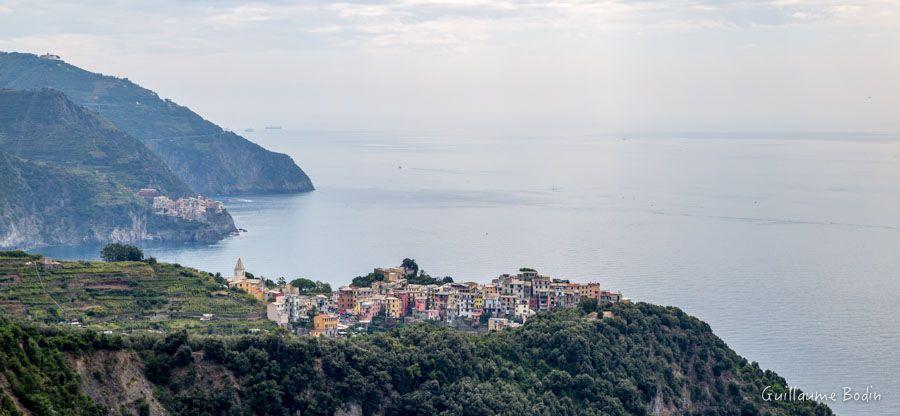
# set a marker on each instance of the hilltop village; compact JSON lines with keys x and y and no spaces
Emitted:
{"x":403,"y":294}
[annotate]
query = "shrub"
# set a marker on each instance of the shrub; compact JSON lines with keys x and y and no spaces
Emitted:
{"x":121,"y":252}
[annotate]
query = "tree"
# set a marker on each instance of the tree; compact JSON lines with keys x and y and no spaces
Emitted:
{"x":280,"y":281}
{"x":424,"y":279}
{"x":302,"y":284}
{"x":485,"y":317}
{"x":309,"y":287}
{"x":410,"y":267}
{"x":588,"y":305}
{"x":323,"y":288}
{"x":366,"y":281}
{"x":121,"y":252}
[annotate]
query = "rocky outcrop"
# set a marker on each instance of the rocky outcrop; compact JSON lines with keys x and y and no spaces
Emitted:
{"x":116,"y":381}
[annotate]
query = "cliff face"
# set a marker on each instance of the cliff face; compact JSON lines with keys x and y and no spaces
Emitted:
{"x":44,"y":205}
{"x":224,"y":163}
{"x":68,"y":177}
{"x":208,"y":159}
{"x":115,"y":380}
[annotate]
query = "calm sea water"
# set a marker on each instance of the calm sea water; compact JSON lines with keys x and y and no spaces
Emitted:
{"x":788,"y":246}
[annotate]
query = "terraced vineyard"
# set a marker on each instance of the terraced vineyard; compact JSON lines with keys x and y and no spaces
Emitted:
{"x":123,"y":296}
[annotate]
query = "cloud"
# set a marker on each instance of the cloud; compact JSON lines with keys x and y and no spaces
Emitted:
{"x":461,"y":25}
{"x":632,"y":61}
{"x":468,"y":24}
{"x":243,"y":14}
{"x":866,"y":15}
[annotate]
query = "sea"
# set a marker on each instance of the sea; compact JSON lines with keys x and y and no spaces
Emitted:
{"x":788,"y":245}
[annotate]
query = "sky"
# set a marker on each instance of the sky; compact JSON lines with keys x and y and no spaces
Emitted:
{"x":597,"y":66}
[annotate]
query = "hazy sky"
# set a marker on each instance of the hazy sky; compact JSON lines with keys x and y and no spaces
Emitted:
{"x":675,"y":65}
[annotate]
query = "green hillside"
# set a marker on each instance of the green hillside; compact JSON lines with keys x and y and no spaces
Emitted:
{"x":69,"y":177}
{"x":35,"y":377}
{"x":208,"y":159}
{"x":645,"y":360}
{"x":640,"y":359}
{"x":122,"y":296}
{"x":45,"y":126}
{"x":45,"y":204}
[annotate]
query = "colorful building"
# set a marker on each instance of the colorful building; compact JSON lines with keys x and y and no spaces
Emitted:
{"x":253,"y":286}
{"x":324,"y":324}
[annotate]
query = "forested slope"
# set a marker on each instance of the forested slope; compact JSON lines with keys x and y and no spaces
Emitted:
{"x":645,"y":360}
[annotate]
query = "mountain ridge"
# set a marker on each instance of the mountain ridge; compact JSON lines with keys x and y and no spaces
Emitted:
{"x":44,"y":125}
{"x":209,"y":159}
{"x":70,"y":177}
